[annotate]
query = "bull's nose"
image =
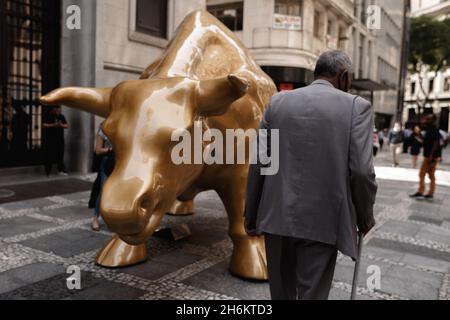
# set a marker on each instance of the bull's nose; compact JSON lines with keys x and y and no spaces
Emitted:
{"x":122,"y":205}
{"x":125,"y":222}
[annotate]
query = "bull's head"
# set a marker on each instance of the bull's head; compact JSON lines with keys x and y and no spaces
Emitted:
{"x":141,"y":117}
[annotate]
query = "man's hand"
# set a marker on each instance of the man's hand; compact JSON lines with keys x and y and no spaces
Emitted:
{"x":62,"y":125}
{"x":250,"y":228}
{"x":365,"y":230}
{"x":432,"y":161}
{"x":49,"y":125}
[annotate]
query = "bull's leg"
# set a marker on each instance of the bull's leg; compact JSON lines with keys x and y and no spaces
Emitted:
{"x":182,"y":208}
{"x":117,"y":253}
{"x":249,"y":255}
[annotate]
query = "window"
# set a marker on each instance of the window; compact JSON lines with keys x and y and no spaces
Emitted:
{"x":447,"y":84}
{"x":431,"y":86}
{"x":231,"y":14}
{"x":362,"y":40}
{"x":341,"y":39}
{"x":363,"y":16}
{"x":344,"y":39}
{"x":151,"y":17}
{"x":289,"y":7}
{"x":330,"y":27}
{"x":412,"y":115}
{"x":413,"y":88}
{"x":428,"y":110}
{"x":317,"y":24}
{"x":387,"y":73}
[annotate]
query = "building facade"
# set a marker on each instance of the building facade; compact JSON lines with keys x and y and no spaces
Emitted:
{"x":287,"y":36}
{"x":436,"y":86}
{"x":377,"y":53}
{"x":118,"y":39}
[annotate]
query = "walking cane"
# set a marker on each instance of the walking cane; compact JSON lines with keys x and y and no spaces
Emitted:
{"x":357,"y":265}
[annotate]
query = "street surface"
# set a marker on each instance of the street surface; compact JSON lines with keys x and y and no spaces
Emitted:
{"x":45,"y":228}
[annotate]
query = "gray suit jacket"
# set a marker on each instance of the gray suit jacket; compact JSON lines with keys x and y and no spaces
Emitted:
{"x":325,"y":187}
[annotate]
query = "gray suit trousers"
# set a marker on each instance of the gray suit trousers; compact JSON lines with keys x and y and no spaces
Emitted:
{"x":299,"y":269}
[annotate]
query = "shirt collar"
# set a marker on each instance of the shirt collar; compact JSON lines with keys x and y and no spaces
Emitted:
{"x":324,"y":82}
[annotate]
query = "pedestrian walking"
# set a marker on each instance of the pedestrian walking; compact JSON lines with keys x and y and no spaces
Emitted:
{"x":416,"y":145}
{"x":382,"y":138}
{"x":396,"y":139}
{"x":54,"y":124}
{"x":103,"y":148}
{"x":376,"y":142}
{"x":325,"y":189}
{"x":432,"y":152}
{"x":445,"y":137}
{"x":407,"y":134}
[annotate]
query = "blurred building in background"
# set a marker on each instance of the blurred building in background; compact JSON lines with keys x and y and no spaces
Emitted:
{"x":377,"y":54}
{"x":119,"y":38}
{"x":287,"y":36}
{"x":437,"y":85}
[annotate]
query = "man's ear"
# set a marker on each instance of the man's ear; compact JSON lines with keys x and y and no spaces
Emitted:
{"x":344,"y":82}
{"x":349,"y":80}
{"x":214,"y":97}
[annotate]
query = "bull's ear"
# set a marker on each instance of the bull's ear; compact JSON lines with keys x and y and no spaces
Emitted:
{"x":214,"y":97}
{"x":147,"y":72}
{"x":92,"y":100}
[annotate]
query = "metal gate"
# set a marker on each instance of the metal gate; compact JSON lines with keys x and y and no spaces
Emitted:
{"x":29,"y":66}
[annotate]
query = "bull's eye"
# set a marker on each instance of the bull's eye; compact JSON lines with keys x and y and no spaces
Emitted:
{"x":145,"y":204}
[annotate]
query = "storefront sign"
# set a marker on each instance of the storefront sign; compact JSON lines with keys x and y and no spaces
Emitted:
{"x":282,"y":21}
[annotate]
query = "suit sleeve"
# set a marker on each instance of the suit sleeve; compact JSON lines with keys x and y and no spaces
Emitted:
{"x":255,"y":182}
{"x":362,"y":173}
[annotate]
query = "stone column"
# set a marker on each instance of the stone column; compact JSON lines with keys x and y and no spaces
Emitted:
{"x":308,"y":25}
{"x":258,"y":17}
{"x":78,"y":69}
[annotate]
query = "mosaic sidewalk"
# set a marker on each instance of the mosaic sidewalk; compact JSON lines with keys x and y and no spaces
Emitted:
{"x":40,"y":238}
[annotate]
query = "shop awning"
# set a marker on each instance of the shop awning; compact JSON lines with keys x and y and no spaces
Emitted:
{"x":369,"y":85}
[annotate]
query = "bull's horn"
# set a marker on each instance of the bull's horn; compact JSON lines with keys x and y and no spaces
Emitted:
{"x":92,"y":100}
{"x":214,"y":97}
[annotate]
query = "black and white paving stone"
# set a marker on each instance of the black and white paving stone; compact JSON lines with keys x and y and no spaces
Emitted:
{"x":40,"y":238}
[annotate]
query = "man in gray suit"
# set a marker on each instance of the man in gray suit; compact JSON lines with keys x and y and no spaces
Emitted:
{"x":324,"y":192}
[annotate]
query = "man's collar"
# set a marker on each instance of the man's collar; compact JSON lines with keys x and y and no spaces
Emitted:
{"x":324,"y":82}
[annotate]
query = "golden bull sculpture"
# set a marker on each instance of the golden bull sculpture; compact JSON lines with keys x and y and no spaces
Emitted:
{"x":205,"y":74}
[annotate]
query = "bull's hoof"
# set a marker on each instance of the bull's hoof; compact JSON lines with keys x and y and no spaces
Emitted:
{"x":181,"y":209}
{"x":118,"y":254}
{"x":248,"y":260}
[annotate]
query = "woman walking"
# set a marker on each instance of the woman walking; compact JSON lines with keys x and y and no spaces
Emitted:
{"x":396,"y":139}
{"x":103,"y":147}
